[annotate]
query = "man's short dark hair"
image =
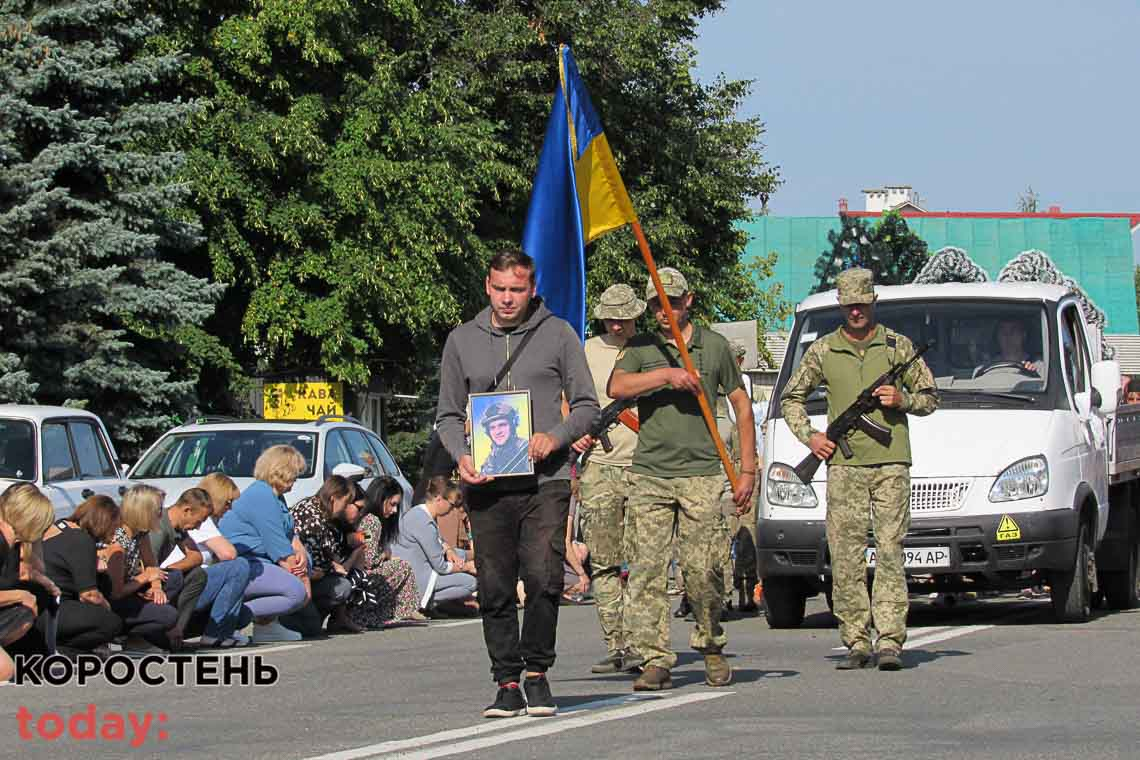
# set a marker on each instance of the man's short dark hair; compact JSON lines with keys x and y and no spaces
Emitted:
{"x":505,"y":261}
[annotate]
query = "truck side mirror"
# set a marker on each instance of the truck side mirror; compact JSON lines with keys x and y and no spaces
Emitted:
{"x":1106,"y":383}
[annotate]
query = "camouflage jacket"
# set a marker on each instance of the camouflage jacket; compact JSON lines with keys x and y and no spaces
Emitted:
{"x":847,"y":371}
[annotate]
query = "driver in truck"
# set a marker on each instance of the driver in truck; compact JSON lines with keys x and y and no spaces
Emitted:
{"x":1010,"y":339}
{"x":872,"y":486}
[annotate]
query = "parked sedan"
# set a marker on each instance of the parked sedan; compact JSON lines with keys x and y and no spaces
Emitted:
{"x":184,"y":455}
{"x":66,"y":452}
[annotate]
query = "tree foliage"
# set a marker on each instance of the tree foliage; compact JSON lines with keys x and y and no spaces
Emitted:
{"x":95,"y":308}
{"x":357,"y":162}
{"x":893,"y":253}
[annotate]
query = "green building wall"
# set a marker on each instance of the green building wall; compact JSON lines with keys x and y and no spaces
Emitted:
{"x":1096,"y":252}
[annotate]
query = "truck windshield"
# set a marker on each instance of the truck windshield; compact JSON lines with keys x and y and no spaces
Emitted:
{"x":980,"y":346}
{"x":17,"y":450}
{"x":232,"y":452}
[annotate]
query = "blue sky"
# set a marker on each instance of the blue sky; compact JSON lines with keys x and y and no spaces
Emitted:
{"x":968,"y":101}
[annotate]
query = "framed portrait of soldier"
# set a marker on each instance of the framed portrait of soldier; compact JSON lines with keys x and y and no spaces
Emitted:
{"x":500,"y":433}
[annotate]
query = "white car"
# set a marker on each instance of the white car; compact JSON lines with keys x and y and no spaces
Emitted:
{"x":183,"y":456}
{"x":66,"y":452}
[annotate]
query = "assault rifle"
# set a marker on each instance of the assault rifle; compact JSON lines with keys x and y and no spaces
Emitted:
{"x":611,"y":414}
{"x":855,"y":417}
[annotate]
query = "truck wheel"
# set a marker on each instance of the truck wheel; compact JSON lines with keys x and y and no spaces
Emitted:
{"x":1120,"y":585}
{"x":784,"y":603}
{"x":1071,"y":590}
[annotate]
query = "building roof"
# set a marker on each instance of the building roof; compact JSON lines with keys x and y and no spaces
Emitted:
{"x":1095,"y":250}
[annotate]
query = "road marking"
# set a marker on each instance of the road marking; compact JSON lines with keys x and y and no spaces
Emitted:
{"x":934,"y":634}
{"x":910,"y":631}
{"x":432,"y":626}
{"x":259,"y":650}
{"x":536,"y":727}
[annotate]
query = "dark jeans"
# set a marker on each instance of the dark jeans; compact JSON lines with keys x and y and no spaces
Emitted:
{"x":149,"y":620}
{"x":329,"y":592}
{"x":519,"y":534}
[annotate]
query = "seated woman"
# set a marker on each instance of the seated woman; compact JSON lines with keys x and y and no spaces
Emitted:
{"x":25,"y":593}
{"x":139,"y":588}
{"x":443,"y":573}
{"x":391,"y":579}
{"x":261,"y":529}
{"x":320,"y":524}
{"x":1009,"y":338}
{"x":86,"y":621}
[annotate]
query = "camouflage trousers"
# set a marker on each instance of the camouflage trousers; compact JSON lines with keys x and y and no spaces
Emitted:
{"x":605,"y":489}
{"x":739,"y":569}
{"x":691,"y":507}
{"x":860,"y":498}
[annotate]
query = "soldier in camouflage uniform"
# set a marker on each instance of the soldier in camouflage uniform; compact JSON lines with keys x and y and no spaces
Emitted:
{"x":741,"y":570}
{"x":676,"y":480}
{"x":872,"y":487}
{"x":508,"y":452}
{"x":605,"y":483}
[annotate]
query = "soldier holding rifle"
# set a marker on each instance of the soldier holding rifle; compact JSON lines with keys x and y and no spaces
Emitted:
{"x":873,"y":483}
{"x":676,"y":479}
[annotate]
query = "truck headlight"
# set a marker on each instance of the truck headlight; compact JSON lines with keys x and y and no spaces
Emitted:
{"x":786,"y":490}
{"x":1024,"y":479}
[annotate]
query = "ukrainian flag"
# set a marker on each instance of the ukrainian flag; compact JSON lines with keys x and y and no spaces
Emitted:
{"x":578,"y":196}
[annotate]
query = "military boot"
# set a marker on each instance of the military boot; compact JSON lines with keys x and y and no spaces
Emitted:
{"x":890,"y":659}
{"x":611,"y":663}
{"x":653,"y":678}
{"x":717,"y":670}
{"x":856,"y":659}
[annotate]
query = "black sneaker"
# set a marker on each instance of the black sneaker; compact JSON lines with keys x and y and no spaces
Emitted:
{"x":508,"y":703}
{"x":538,"y":699}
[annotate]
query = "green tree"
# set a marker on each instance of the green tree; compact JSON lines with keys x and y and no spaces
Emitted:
{"x":357,"y":163}
{"x":1028,"y":201}
{"x":893,"y":253}
{"x":96,"y":311}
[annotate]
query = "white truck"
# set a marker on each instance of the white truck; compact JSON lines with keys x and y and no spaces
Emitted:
{"x":1023,"y":476}
{"x":66,"y":452}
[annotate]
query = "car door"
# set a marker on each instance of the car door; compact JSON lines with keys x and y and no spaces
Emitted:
{"x":1090,"y":447}
{"x":77,"y":462}
{"x":390,"y":466}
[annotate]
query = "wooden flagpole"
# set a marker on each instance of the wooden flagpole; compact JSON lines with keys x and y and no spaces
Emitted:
{"x":706,"y":410}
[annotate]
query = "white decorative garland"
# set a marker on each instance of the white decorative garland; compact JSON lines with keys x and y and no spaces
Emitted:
{"x":950,"y":264}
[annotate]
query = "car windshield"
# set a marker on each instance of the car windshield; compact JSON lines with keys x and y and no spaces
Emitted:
{"x":232,"y":452}
{"x":980,"y":346}
{"x":17,"y":450}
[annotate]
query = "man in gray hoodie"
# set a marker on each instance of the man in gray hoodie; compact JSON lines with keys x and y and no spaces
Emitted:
{"x":518,"y":522}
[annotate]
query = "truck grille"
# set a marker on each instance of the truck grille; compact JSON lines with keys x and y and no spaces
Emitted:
{"x":937,"y":495}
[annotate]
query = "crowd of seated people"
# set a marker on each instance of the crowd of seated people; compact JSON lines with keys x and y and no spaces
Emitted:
{"x":146,"y":579}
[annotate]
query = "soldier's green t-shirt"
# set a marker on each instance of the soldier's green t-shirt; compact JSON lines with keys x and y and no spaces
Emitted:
{"x":673,"y":441}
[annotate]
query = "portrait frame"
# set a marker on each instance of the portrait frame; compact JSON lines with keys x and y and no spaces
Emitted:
{"x":492,"y":415}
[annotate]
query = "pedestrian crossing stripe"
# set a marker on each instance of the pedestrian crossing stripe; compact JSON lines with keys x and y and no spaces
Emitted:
{"x":1007,"y":529}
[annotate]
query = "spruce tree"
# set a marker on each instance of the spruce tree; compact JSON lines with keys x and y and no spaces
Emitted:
{"x":94,"y":311}
{"x":893,"y":253}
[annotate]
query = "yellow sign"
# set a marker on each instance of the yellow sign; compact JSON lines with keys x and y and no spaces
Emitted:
{"x":1007,"y":529}
{"x":302,"y":401}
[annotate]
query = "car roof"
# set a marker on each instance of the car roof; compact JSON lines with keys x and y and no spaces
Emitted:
{"x":231,"y":423}
{"x":1013,"y":291}
{"x":40,"y":413}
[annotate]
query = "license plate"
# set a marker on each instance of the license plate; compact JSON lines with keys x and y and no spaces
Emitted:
{"x":918,"y":556}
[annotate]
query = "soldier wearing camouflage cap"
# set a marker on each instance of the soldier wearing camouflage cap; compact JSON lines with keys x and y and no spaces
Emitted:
{"x":875,"y":473}
{"x":676,"y":480}
{"x":500,"y":422}
{"x":605,"y":485}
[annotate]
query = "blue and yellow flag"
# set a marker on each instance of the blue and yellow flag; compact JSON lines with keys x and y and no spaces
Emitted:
{"x":578,"y":196}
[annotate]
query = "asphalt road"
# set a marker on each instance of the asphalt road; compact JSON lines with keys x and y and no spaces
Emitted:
{"x":993,"y":679}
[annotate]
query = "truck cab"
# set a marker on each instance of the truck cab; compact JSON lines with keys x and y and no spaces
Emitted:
{"x":66,"y":452}
{"x":1016,"y":478}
